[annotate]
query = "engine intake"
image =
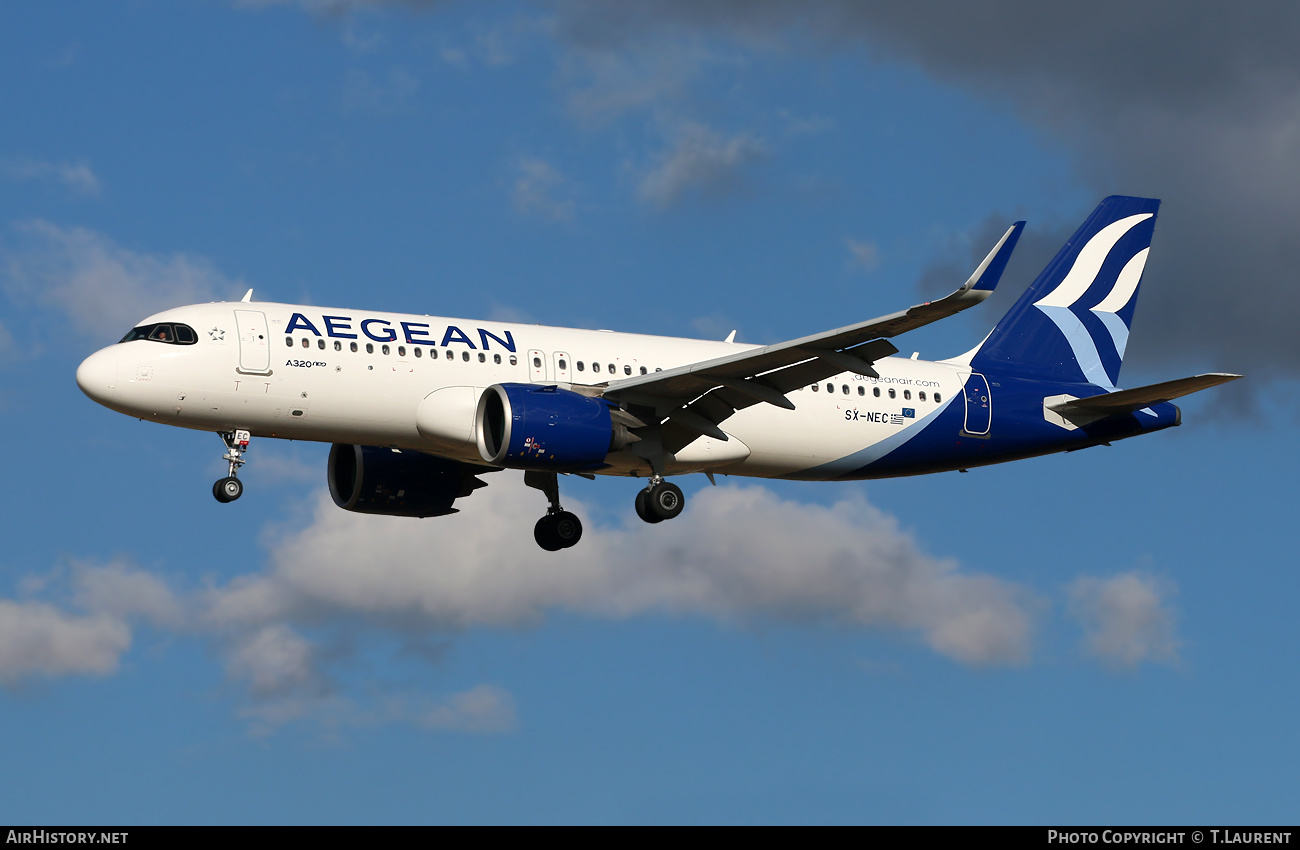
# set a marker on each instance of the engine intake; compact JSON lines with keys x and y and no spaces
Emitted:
{"x":377,"y":480}
{"x":532,"y":426}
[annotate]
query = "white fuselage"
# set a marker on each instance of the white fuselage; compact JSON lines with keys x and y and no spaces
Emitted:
{"x":411,"y":382}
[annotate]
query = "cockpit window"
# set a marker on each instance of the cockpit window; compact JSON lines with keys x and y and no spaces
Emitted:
{"x":168,"y":332}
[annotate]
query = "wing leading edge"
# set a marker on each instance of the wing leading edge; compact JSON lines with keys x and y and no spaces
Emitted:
{"x":694,"y":399}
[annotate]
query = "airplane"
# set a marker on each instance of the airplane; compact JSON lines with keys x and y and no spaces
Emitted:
{"x":417,"y":407}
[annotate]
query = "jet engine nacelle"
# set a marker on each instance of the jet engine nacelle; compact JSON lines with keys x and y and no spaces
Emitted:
{"x":377,"y":480}
{"x":537,"y":426}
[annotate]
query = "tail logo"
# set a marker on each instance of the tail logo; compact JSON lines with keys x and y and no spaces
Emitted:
{"x":1057,"y":305}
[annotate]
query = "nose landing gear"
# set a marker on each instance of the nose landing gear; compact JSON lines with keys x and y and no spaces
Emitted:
{"x":559,"y":529}
{"x":230,"y":488}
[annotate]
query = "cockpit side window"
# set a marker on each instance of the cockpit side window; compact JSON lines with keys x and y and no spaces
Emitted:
{"x":171,"y":333}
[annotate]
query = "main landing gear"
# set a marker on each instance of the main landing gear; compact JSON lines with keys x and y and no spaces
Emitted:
{"x":559,"y":529}
{"x":230,"y":488}
{"x":660,"y":500}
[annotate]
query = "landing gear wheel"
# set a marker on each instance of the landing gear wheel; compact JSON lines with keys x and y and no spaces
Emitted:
{"x":545,"y":534}
{"x":568,"y":528}
{"x":643,"y":507}
{"x":665,"y":500}
{"x":228,"y":489}
{"x":557,"y":531}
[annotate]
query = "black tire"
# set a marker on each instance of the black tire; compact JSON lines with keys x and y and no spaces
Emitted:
{"x":545,"y":535}
{"x":567,"y":528}
{"x":643,"y":508}
{"x":665,"y":500}
{"x":228,"y":489}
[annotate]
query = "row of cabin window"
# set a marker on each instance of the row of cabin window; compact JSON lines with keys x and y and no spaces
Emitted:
{"x":875,"y":391}
{"x":450,"y":355}
{"x":613,"y":370}
{"x":401,"y":350}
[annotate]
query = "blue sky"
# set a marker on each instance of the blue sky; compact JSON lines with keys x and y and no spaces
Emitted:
{"x":1097,"y":637}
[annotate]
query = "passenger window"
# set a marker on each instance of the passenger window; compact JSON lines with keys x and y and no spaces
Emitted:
{"x":816,"y":387}
{"x":537,"y":362}
{"x":612,"y":370}
{"x":383,"y":349}
{"x":937,"y":399}
{"x":306,"y":343}
{"x":907,"y":394}
{"x":892,"y":394}
{"x":862,"y":390}
{"x":482,"y":358}
{"x":657,"y":369}
{"x":595,"y":367}
{"x":579,"y":365}
{"x":921,"y":395}
{"x":419,"y":352}
{"x":496,"y":358}
{"x":464,"y":355}
{"x":627,"y":370}
{"x":875,"y":391}
{"x":338,"y":346}
{"x":370,"y":348}
{"x":320,"y":343}
{"x":845,"y":388}
{"x":564,"y":364}
{"x":642,"y":370}
{"x":401,"y":351}
{"x":353,"y":347}
{"x":288,"y":341}
{"x":514,"y":361}
{"x":830,"y":388}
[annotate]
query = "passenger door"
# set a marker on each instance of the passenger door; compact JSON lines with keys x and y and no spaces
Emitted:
{"x":254,"y":345}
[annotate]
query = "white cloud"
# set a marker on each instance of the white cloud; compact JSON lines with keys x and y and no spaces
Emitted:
{"x":539,"y":189}
{"x":76,"y":176}
{"x":699,"y":160}
{"x":866,"y":255}
{"x":283,"y":632}
{"x":603,"y":84}
{"x":39,"y":639}
{"x":848,"y":564}
{"x":485,"y":708}
{"x":126,"y":592}
{"x":1125,"y":618}
{"x":104,"y":288}
{"x":274,"y":660}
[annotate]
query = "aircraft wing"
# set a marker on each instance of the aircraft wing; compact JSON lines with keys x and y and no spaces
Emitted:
{"x":695,"y":398}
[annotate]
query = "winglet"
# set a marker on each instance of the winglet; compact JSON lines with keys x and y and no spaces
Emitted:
{"x":248,"y":296}
{"x":989,"y":272}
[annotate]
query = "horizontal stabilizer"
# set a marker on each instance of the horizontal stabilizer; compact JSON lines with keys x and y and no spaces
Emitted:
{"x":1127,"y":401}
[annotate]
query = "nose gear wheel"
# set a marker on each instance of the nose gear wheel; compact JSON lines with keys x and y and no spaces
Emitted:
{"x":230,"y":488}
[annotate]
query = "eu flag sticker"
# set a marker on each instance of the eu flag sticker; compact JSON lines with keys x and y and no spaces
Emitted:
{"x":909,"y":412}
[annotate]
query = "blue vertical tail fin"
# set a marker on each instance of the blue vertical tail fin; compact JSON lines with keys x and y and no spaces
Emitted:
{"x":1072,"y":324}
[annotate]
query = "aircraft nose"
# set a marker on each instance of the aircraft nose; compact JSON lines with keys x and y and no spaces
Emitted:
{"x":97,"y":375}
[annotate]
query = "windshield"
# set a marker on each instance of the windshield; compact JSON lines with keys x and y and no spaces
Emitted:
{"x":172,"y":333}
